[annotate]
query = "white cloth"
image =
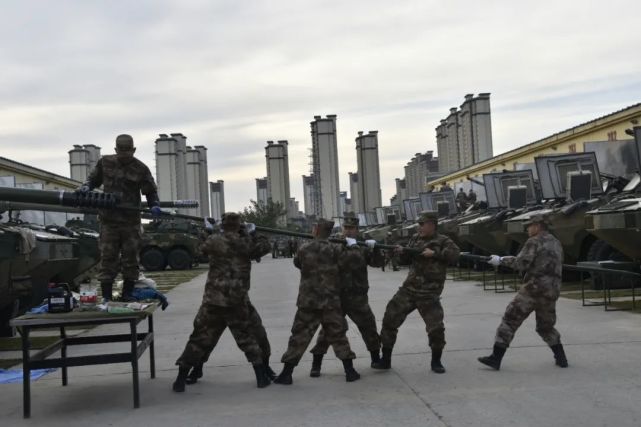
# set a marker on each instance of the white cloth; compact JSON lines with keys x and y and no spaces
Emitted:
{"x":494,"y":260}
{"x":350,"y":241}
{"x":370,"y":243}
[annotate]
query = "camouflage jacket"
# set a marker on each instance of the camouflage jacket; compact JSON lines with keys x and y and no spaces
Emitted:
{"x":353,"y":268}
{"x":230,"y":256}
{"x":427,"y":275}
{"x":320,"y":284}
{"x":127,"y":181}
{"x":541,"y":259}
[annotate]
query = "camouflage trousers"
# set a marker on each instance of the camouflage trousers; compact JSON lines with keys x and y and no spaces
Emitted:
{"x":400,"y":306}
{"x":305,"y":324}
{"x":215,"y":319}
{"x":519,"y":309}
{"x":357,"y":308}
{"x":119,"y":246}
{"x":255,"y":327}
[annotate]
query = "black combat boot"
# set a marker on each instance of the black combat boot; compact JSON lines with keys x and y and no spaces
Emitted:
{"x":106,"y":288}
{"x":195,"y":374}
{"x":376,"y":357}
{"x":350,"y":373}
{"x":494,"y":359}
{"x":559,"y":355}
{"x":268,"y":370}
{"x":436,"y":364}
{"x":386,"y":361}
{"x":262,"y":380}
{"x":285,"y":377}
{"x":127,"y":290}
{"x":179,"y":384}
{"x":316,"y":366}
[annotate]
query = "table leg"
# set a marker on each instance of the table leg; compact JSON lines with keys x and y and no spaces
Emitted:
{"x":63,"y":354}
{"x":26,"y":373}
{"x":134,"y":362}
{"x":152,"y":354}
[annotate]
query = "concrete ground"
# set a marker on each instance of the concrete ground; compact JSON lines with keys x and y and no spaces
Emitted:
{"x":602,"y":386}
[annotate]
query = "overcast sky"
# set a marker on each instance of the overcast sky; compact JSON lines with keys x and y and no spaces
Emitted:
{"x":231,"y":75}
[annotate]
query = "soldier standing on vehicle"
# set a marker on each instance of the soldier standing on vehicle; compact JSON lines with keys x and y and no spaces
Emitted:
{"x":541,"y":260}
{"x":421,"y":290}
{"x":471,"y":197}
{"x":225,"y":301}
{"x":318,"y":303}
{"x":125,"y":176}
{"x":461,"y":200}
{"x":354,"y":286}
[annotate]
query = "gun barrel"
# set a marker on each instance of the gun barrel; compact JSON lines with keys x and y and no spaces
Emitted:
{"x":89,"y":199}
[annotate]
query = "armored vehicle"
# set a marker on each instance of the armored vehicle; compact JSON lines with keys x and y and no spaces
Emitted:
{"x":571,"y":186}
{"x":173,"y":243}
{"x":618,"y":223}
{"x":508,"y":194}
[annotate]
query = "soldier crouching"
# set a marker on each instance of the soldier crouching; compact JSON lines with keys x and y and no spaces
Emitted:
{"x":225,"y":301}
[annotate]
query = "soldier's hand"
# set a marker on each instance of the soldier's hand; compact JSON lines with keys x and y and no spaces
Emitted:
{"x":156,"y":211}
{"x":494,"y":260}
{"x":370,"y":243}
{"x":427,"y":253}
{"x":250,"y":227}
{"x":350,"y":241}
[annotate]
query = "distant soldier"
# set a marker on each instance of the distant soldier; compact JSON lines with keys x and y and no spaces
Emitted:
{"x":120,"y":233}
{"x":461,"y":199}
{"x":392,"y":256}
{"x":471,"y":197}
{"x":354,"y":286}
{"x":421,"y":290}
{"x":541,"y":260}
{"x":318,"y":303}
{"x":446,"y":187}
{"x":225,"y":301}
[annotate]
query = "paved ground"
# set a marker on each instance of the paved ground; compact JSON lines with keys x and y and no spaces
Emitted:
{"x":602,"y":387}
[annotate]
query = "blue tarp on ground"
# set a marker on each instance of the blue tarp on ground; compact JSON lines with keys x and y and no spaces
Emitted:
{"x":8,"y":376}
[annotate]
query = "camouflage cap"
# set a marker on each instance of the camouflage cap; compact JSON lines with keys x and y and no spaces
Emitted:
{"x":124,"y":142}
{"x":350,"y":219}
{"x":537,"y":219}
{"x":427,"y":216}
{"x":231,"y":218}
{"x":325,"y":226}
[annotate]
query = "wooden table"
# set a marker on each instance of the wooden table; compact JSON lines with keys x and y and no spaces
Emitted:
{"x":139,"y":343}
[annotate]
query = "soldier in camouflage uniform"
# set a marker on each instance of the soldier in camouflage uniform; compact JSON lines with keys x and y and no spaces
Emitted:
{"x":541,"y":261}
{"x":225,"y":301}
{"x":354,"y":286}
{"x":319,"y":303}
{"x":421,"y":290}
{"x":120,"y":231}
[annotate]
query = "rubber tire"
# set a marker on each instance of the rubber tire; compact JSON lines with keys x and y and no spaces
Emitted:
{"x":179,"y":259}
{"x":152,"y":259}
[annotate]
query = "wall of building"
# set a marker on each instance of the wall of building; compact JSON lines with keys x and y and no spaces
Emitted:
{"x":261,"y":191}
{"x":354,"y":191}
{"x":217,"y":198}
{"x":369,"y":190}
{"x":325,"y":166}
{"x":278,"y":174}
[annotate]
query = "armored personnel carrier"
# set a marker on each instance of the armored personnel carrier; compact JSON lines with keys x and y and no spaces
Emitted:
{"x":173,"y":243}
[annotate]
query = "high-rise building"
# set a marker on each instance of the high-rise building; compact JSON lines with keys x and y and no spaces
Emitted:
{"x":204,"y":180}
{"x":465,"y":136}
{"x":181,"y":163}
{"x":169,"y":179}
{"x":342,"y":206}
{"x":369,"y":183}
{"x":308,"y":195}
{"x":353,"y":191}
{"x":325,"y":166}
{"x":401,"y":194}
{"x":193,"y":178}
{"x":82,"y":160}
{"x":217,"y":197}
{"x":418,"y":171}
{"x":278,"y":174}
{"x":261,"y":191}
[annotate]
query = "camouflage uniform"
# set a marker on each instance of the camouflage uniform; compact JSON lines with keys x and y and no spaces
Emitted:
{"x":421,"y":290}
{"x":225,"y":301}
{"x":354,"y":302}
{"x":541,"y":260}
{"x":120,"y":231}
{"x":318,"y":301}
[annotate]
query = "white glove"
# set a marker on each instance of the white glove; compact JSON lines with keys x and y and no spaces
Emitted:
{"x":494,"y":260}
{"x":250,"y":227}
{"x":350,"y":241}
{"x":370,"y":243}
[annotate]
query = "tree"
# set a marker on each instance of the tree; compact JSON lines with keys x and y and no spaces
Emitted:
{"x":266,"y":215}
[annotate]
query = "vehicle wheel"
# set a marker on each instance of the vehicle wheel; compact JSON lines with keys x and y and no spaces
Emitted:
{"x":152,"y":259}
{"x":179,"y":259}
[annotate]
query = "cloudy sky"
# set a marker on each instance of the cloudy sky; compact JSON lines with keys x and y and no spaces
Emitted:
{"x":233,"y":74}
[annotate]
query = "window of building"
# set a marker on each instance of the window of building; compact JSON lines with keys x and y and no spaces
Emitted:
{"x":572,"y":148}
{"x":612,"y":136}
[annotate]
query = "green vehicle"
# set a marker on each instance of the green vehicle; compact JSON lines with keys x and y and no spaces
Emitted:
{"x":174,"y":243}
{"x":508,"y":194}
